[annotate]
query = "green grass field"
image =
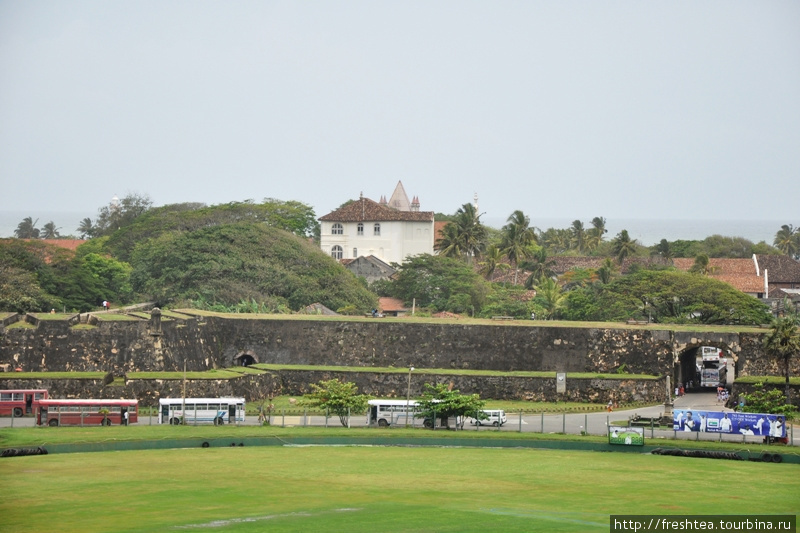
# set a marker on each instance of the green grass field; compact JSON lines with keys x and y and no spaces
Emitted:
{"x":370,"y":489}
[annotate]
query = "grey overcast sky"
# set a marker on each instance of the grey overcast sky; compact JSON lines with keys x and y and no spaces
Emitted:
{"x":563,"y":109}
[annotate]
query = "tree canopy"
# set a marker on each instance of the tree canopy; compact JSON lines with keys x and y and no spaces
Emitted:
{"x":665,"y":296}
{"x":439,"y":401}
{"x":338,"y":398}
{"x":243,"y":261}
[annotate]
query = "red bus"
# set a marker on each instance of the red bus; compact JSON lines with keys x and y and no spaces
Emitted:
{"x":20,"y":402}
{"x":87,"y":412}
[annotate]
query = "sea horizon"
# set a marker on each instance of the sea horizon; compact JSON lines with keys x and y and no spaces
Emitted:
{"x":647,"y":231}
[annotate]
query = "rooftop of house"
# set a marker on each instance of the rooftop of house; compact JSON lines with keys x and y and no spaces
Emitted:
{"x":387,"y":304}
{"x":366,"y":210}
{"x":780,"y":268}
{"x":740,"y":273}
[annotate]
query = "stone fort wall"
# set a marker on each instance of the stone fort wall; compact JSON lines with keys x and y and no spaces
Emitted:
{"x":214,"y":342}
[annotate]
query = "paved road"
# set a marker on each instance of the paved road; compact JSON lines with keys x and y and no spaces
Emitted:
{"x":591,"y":423}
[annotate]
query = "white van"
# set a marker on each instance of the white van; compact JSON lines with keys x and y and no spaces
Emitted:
{"x":494,"y":417}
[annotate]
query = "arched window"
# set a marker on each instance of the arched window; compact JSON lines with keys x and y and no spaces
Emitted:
{"x":337,"y":229}
{"x":377,"y":230}
{"x":360,"y":228}
{"x":336,"y":252}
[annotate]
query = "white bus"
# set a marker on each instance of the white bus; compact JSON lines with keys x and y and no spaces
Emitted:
{"x":215,"y":411}
{"x":387,"y":412}
{"x":712,"y":367}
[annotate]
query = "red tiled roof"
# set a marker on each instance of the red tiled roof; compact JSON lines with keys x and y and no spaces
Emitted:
{"x":366,"y":210}
{"x":391,"y":304}
{"x":69,"y":244}
{"x":780,"y":268}
{"x":740,"y":273}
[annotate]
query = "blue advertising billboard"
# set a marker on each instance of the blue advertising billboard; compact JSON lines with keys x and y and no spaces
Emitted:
{"x":736,"y":423}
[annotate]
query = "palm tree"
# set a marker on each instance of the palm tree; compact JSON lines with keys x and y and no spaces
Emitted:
{"x":596,"y":233}
{"x":549,"y":293}
{"x":492,"y":260}
{"x":606,"y":272}
{"x":472,"y":232}
{"x":517,"y":237}
{"x":623,"y":246}
{"x":787,"y":240}
{"x":783,"y":342}
{"x":50,"y":231}
{"x":27,"y":229}
{"x":578,"y":235}
{"x":556,"y":240}
{"x":539,"y":265}
{"x":449,"y":244}
{"x":702,"y":265}
{"x":464,"y":237}
{"x":86,"y":228}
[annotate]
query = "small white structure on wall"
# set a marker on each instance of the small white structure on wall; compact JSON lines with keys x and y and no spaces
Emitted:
{"x":391,"y":231}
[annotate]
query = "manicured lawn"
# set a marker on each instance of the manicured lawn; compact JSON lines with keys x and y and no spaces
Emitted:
{"x":369,"y":489}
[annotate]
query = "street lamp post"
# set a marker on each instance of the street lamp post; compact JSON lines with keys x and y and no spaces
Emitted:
{"x":408,"y":393}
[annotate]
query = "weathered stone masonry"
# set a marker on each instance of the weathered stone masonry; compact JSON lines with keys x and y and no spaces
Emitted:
{"x":212,"y":342}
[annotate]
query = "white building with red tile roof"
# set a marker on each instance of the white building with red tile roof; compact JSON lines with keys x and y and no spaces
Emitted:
{"x":391,"y":231}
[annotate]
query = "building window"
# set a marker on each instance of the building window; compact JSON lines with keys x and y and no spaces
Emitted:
{"x":355,"y":253}
{"x":336,"y":252}
{"x":360,"y":228}
{"x":377,"y":230}
{"x":337,"y":229}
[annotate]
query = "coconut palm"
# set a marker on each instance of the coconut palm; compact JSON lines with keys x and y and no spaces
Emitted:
{"x":449,"y":244}
{"x":492,"y":261}
{"x":702,"y":265}
{"x":86,"y":228}
{"x":607,"y":271}
{"x":783,"y":342}
{"x":50,"y":231}
{"x":464,"y":236}
{"x":623,"y":246}
{"x":578,"y":240}
{"x":27,"y":229}
{"x":550,"y":296}
{"x":556,"y":240}
{"x":787,"y":240}
{"x":539,"y":265}
{"x":472,"y":233}
{"x":516,"y":240}
{"x":596,"y":233}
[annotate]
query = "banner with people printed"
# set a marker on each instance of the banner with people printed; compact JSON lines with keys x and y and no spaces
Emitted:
{"x":737,"y":423}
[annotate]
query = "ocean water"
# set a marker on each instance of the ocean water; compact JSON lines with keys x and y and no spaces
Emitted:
{"x":647,"y":231}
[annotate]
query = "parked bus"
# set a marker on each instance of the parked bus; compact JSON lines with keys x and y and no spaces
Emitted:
{"x":87,"y":412}
{"x":215,"y":411}
{"x":712,"y":367}
{"x":20,"y":402}
{"x":387,"y":412}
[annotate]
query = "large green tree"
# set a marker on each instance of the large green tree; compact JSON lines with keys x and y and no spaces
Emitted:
{"x":669,"y":296}
{"x":244,"y":261}
{"x":441,"y":283}
{"x":439,"y":401}
{"x":337,"y":398}
{"x":291,"y":216}
{"x":117,"y":215}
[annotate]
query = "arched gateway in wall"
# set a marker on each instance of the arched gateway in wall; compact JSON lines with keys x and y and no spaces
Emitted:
{"x":696,"y":359}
